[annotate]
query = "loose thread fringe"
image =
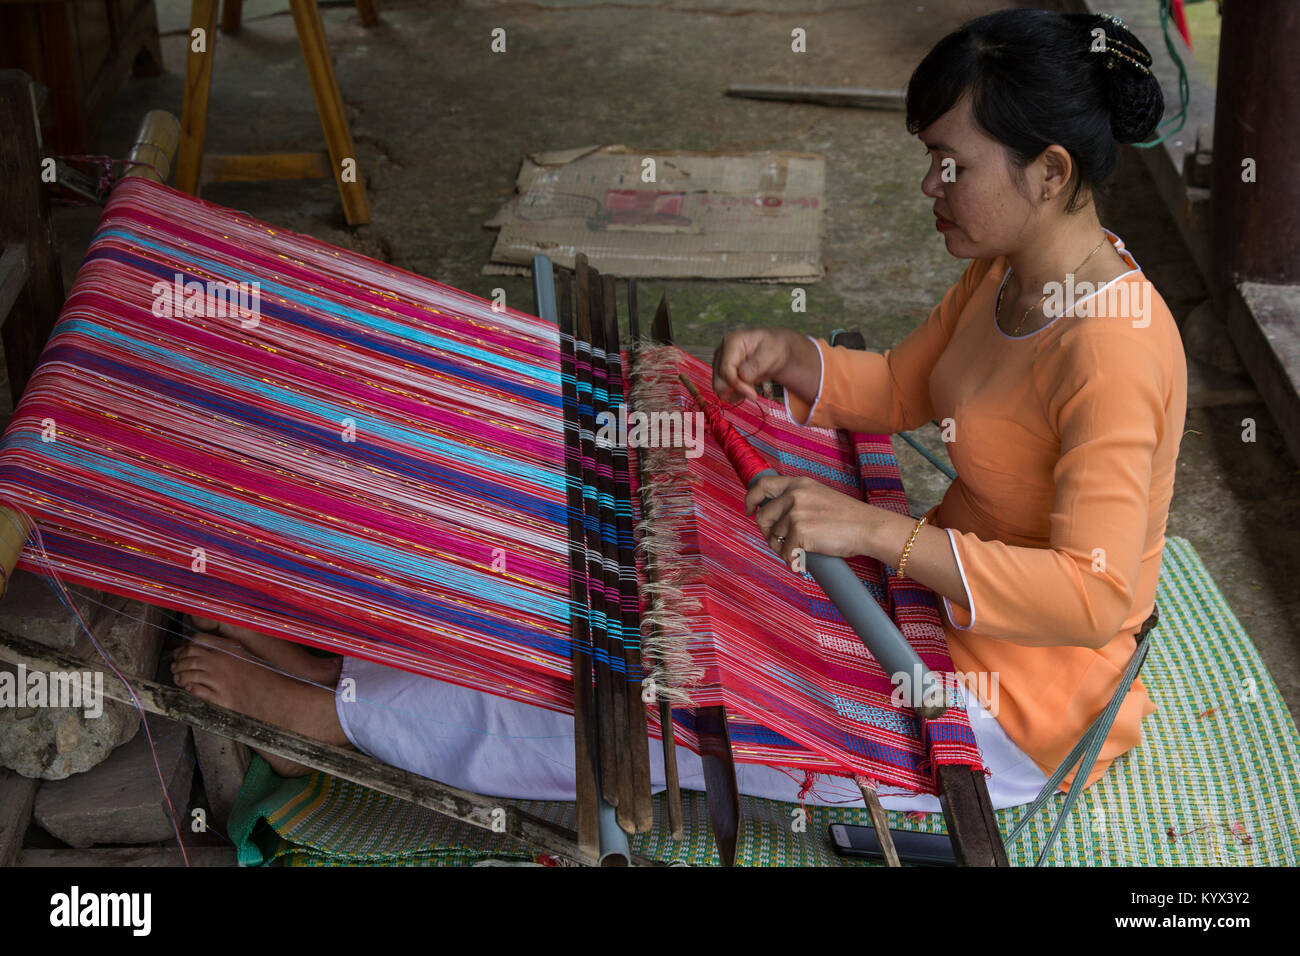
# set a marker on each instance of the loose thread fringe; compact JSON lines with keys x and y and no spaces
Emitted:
{"x":668,"y":511}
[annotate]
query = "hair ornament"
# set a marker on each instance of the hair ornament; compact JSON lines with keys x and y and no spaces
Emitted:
{"x":1137,"y":57}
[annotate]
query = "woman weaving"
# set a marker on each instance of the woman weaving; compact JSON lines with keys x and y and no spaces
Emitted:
{"x":1063,"y":420}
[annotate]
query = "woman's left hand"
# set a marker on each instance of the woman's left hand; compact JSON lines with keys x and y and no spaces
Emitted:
{"x":805,"y":514}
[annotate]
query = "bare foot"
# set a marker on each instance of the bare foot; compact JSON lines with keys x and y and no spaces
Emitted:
{"x":285,"y":655}
{"x":224,"y":672}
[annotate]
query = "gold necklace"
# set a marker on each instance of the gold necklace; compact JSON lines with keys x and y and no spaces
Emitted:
{"x":998,"y":306}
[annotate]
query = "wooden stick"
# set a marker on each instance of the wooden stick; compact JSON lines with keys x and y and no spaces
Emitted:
{"x":618,"y":690}
{"x":860,"y":97}
{"x":719,"y":780}
{"x":172,"y":702}
{"x":243,"y":168}
{"x":676,"y":822}
{"x":879,"y":821}
{"x":584,"y":739}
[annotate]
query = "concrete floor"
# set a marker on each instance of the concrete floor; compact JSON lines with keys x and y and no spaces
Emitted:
{"x":441,"y":124}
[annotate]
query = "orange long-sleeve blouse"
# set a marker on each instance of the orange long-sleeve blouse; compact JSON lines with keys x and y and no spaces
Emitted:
{"x":1064,"y":442}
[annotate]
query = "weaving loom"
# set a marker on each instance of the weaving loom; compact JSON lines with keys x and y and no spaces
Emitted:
{"x":373,"y":463}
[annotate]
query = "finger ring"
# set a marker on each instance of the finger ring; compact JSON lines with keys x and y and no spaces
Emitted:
{"x":780,"y":539}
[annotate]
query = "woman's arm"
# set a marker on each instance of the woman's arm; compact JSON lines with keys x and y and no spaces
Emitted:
{"x":1107,"y":401}
{"x":804,"y":513}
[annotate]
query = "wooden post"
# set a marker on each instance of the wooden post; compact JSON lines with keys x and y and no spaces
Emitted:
{"x":367,"y":12}
{"x":1256,"y":192}
{"x":231,"y":15}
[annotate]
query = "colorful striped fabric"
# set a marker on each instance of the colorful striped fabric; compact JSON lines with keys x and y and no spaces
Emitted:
{"x":772,"y":646}
{"x":373,"y":463}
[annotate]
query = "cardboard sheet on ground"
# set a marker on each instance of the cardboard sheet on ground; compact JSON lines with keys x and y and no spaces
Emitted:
{"x":706,"y":215}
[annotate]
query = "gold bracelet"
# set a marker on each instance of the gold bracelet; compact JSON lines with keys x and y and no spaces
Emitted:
{"x":907,"y":551}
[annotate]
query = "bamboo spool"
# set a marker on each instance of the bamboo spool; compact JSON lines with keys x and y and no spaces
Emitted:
{"x":155,"y":143}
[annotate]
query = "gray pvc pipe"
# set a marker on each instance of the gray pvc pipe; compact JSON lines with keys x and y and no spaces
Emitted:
{"x":613,"y":841}
{"x":879,"y":635}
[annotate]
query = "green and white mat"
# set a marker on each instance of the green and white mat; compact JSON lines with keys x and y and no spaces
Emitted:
{"x":1215,"y":782}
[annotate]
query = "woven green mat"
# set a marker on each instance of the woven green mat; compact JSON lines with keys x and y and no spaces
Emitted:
{"x":1214,"y":782}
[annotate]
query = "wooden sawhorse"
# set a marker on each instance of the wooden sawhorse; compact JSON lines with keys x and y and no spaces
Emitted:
{"x":192,"y":167}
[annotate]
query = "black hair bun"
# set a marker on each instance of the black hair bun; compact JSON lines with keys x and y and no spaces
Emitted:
{"x":1129,"y":90}
{"x":1135,"y":103}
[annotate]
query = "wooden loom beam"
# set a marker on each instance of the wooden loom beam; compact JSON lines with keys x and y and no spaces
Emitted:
{"x":175,"y":704}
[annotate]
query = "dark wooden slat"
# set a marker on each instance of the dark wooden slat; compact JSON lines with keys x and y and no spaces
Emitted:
{"x":859,"y":97}
{"x":585,"y":283}
{"x":642,"y":811}
{"x":584,"y":722}
{"x":972,"y":827}
{"x":719,"y":780}
{"x":13,"y":277}
{"x":637,"y":816}
{"x":625,"y":803}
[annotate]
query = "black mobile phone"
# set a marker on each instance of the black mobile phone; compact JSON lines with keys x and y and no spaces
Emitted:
{"x":914,"y":849}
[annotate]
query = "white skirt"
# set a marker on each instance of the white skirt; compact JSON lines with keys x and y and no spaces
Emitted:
{"x":502,"y":748}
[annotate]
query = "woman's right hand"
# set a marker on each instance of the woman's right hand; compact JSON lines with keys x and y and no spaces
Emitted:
{"x":748,"y":357}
